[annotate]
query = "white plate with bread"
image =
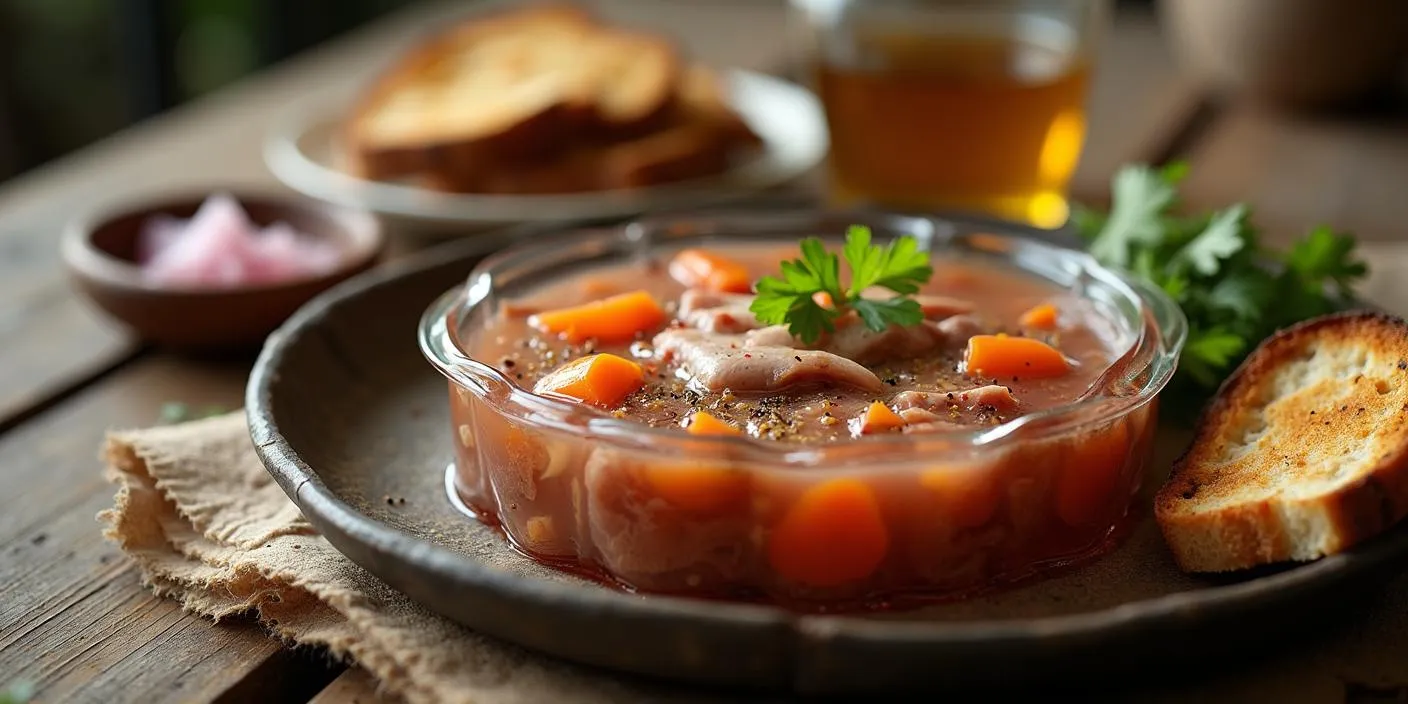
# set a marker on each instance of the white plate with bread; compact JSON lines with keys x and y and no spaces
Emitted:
{"x":547,"y":114}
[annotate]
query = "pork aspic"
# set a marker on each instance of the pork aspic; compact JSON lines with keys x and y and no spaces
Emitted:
{"x":732,"y":341}
{"x":700,"y":348}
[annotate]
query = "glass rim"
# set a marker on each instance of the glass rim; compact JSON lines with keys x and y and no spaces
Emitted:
{"x":1149,"y":362}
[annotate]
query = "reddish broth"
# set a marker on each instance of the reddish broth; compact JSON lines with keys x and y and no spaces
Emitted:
{"x":700,"y":519}
{"x":816,"y":412}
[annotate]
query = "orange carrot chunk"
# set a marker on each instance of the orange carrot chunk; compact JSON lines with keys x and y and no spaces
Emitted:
{"x":703,"y":423}
{"x":615,"y":319}
{"x":823,"y":299}
{"x":1004,"y":356}
{"x":834,"y":534}
{"x":876,"y":418}
{"x":1042,"y":317}
{"x":698,"y":488}
{"x":968,"y":496}
{"x":599,"y":379}
{"x":704,"y":269}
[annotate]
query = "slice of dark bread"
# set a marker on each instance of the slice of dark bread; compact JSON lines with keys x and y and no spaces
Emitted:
{"x":1303,"y":453}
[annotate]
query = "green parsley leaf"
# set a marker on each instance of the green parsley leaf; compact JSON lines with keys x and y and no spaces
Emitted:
{"x":899,"y":266}
{"x":173,"y":412}
{"x":1219,"y":241}
{"x":1234,"y":290}
{"x":1324,"y":255}
{"x":879,"y":314}
{"x":1140,"y":197}
{"x":1242,"y":297}
{"x":19,"y":692}
{"x":1208,"y":352}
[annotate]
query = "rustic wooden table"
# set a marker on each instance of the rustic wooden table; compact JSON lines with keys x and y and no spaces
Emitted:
{"x":75,"y":621}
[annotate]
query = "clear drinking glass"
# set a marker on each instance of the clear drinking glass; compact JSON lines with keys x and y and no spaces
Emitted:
{"x":969,"y":105}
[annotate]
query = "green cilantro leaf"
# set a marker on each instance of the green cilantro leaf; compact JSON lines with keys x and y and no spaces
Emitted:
{"x":899,"y":266}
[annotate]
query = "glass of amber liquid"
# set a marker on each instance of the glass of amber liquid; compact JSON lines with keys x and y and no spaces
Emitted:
{"x":959,"y":105}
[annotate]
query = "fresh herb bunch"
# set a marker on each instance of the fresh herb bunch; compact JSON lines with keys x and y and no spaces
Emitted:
{"x":1234,"y":290}
{"x":899,"y":266}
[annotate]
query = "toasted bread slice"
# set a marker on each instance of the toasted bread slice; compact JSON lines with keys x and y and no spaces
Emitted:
{"x":1303,"y":453}
{"x":511,"y":87}
{"x":699,"y":136}
{"x":703,"y":138}
{"x":702,"y":98}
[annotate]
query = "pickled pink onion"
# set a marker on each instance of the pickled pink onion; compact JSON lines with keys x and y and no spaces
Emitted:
{"x":220,"y":247}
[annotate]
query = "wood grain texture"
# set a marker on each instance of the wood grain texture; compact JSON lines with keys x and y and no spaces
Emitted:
{"x":75,"y":620}
{"x":54,"y":341}
{"x":354,"y":686}
{"x":1298,"y":171}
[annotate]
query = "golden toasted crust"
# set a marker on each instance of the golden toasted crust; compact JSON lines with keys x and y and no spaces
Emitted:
{"x":559,"y":104}
{"x":511,"y":87}
{"x":1303,"y":453}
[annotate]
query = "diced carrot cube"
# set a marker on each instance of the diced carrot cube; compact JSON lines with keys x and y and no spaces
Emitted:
{"x":832,"y":535}
{"x":704,"y":423}
{"x":876,"y":418}
{"x":599,"y":379}
{"x":698,"y":488}
{"x":1005,"y":356}
{"x":705,"y":269}
{"x":823,"y":299}
{"x":615,"y":319}
{"x":1041,"y":317}
{"x":969,"y":496}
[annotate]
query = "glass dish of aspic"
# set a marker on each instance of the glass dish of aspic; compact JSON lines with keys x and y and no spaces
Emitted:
{"x":823,"y":411}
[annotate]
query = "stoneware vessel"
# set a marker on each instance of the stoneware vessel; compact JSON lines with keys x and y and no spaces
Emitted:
{"x":99,"y":251}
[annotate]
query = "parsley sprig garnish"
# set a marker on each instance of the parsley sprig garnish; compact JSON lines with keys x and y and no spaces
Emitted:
{"x":1234,"y":289}
{"x":899,"y":266}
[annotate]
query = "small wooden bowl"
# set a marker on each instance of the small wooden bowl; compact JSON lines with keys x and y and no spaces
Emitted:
{"x":100,"y":252}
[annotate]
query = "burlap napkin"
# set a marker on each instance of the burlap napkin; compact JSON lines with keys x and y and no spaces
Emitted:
{"x":210,"y":528}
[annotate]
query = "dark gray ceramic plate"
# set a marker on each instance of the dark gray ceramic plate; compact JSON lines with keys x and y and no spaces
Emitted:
{"x":346,"y":414}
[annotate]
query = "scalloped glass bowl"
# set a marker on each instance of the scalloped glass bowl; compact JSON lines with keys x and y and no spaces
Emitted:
{"x":924,"y":515}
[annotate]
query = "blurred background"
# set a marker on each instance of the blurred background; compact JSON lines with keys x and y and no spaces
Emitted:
{"x":74,"y":71}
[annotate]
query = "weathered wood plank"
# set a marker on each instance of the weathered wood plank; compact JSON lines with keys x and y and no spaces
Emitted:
{"x":1299,"y":171}
{"x":75,"y":621}
{"x":55,"y":342}
{"x":353,"y":686}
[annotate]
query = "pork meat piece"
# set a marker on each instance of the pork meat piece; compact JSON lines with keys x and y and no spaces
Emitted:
{"x":957,"y":329}
{"x":942,"y":307}
{"x":716,"y":362}
{"x":712,"y":311}
{"x":992,"y":395}
{"x":854,"y":341}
